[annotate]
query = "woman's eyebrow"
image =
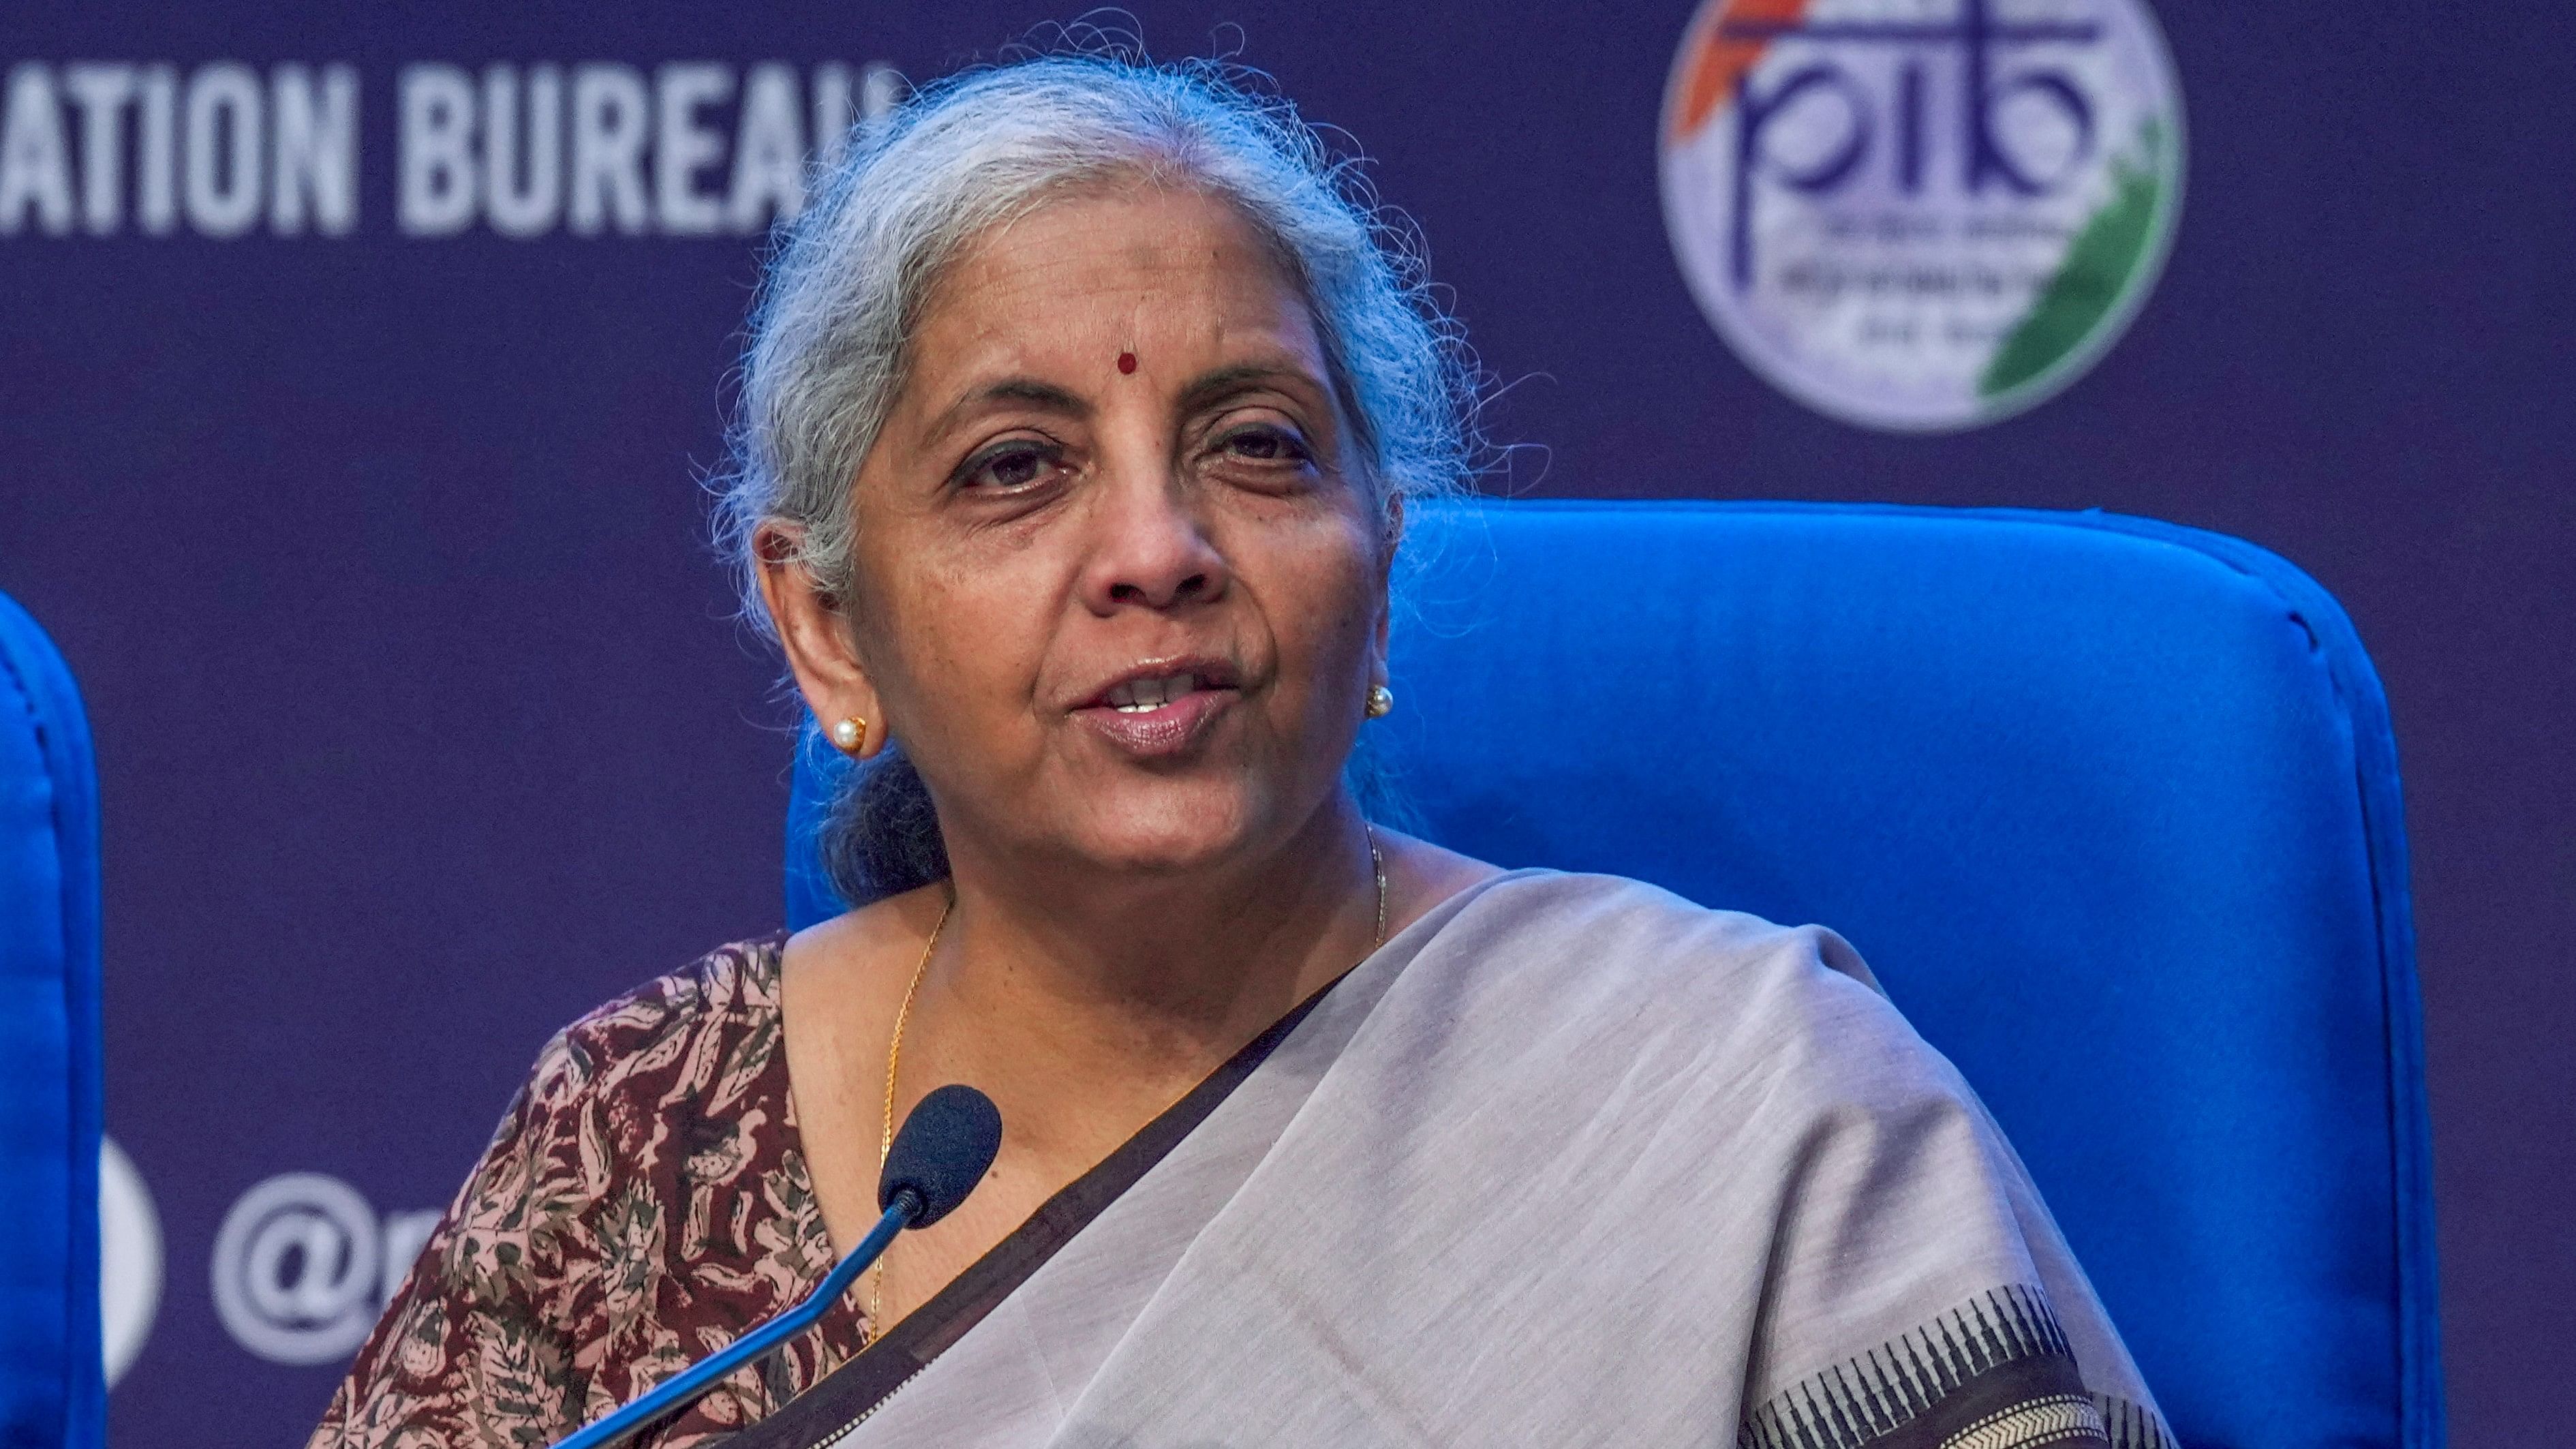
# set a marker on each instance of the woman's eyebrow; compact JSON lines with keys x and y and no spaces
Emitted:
{"x":1017,"y":391}
{"x":1208,"y":387}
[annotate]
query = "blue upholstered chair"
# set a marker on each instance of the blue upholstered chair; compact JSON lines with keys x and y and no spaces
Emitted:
{"x":52,"y":1385}
{"x":2111,"y":807}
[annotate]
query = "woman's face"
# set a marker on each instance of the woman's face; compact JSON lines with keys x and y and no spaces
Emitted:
{"x":1121,"y":591}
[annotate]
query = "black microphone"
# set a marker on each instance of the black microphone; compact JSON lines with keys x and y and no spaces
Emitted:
{"x":944,"y":1148}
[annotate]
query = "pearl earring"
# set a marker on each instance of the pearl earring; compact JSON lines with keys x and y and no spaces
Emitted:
{"x":849,"y":734}
{"x":1381,"y":701}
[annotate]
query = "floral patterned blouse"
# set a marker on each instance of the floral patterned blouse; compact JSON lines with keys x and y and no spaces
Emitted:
{"x":644,"y":1202}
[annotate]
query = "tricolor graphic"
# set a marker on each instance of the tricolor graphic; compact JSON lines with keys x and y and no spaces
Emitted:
{"x":1921,"y":215}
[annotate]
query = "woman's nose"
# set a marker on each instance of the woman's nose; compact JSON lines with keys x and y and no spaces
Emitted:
{"x":1149,"y":548}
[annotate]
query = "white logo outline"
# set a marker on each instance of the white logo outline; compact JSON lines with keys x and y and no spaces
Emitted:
{"x":296,"y":1269}
{"x":1820,"y":355}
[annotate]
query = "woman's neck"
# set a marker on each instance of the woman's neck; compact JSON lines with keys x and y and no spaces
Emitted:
{"x":1137,"y":986}
{"x":1082,"y":1014}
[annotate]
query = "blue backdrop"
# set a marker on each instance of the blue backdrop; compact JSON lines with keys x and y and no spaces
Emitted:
{"x":376,"y":539}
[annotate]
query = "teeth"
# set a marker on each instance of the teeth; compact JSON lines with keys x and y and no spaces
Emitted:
{"x":1137,"y":696}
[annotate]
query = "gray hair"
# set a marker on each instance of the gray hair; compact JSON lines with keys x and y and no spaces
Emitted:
{"x":849,"y":282}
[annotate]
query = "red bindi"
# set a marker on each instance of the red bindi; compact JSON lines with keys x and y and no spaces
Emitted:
{"x":1126,"y":362}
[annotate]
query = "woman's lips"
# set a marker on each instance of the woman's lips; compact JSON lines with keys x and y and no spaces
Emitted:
{"x":1166,"y":730}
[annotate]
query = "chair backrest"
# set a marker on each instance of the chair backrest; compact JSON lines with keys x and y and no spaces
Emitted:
{"x":52,"y":1385}
{"x":2111,"y":807}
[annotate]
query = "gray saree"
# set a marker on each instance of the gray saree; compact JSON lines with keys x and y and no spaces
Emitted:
{"x":1569,"y":1160}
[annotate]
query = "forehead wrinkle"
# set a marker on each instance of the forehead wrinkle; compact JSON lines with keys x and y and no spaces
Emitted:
{"x":1143,"y":288}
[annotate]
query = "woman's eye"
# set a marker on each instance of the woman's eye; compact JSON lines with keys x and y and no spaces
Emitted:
{"x":1009,"y":468}
{"x":1263,"y":445}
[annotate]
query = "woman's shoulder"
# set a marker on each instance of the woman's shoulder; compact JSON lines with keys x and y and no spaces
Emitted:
{"x":656,"y":1037}
{"x":1592,"y":925}
{"x":673,"y":1090}
{"x":1710,"y":984}
{"x":643,"y":1189}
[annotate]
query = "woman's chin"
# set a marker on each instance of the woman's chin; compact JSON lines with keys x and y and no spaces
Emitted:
{"x":1174,"y":827}
{"x":1178,"y":850}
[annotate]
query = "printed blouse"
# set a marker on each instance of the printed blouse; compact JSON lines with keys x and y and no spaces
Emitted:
{"x":643,"y":1203}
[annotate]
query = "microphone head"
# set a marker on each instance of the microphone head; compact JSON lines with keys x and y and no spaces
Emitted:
{"x":944,"y":1148}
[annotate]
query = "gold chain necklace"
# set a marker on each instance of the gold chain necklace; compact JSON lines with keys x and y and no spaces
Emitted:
{"x":903,"y":1014}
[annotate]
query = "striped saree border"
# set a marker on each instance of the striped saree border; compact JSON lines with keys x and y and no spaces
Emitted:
{"x":2133,"y":1426}
{"x":1993,"y":1373}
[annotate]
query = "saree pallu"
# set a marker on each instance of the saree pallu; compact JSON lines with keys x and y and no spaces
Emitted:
{"x":1570,"y":1160}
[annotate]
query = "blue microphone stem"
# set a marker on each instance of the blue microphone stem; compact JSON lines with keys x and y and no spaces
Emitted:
{"x":698,"y":1377}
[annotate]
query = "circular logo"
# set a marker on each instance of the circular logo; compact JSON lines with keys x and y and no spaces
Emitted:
{"x":296,"y":1269}
{"x":1921,"y":215}
{"x":129,"y":1259}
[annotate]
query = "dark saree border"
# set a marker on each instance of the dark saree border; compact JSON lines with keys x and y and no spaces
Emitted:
{"x":853,"y":1391}
{"x":1993,"y":1373}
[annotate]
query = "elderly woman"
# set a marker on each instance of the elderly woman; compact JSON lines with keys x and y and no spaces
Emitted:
{"x":1081,"y":414}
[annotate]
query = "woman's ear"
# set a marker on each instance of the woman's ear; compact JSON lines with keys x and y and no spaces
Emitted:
{"x":814,"y":631}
